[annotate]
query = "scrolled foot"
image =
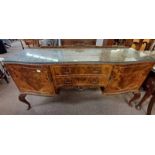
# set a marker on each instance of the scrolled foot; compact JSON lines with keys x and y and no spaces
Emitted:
{"x":29,"y":107}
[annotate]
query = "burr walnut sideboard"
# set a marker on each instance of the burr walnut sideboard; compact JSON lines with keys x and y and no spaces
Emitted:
{"x":46,"y":71}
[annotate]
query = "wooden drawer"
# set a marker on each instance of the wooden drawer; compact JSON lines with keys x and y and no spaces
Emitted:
{"x":82,"y":69}
{"x":81,"y":81}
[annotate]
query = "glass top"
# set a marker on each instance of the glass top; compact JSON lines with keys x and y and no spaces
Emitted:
{"x":79,"y":55}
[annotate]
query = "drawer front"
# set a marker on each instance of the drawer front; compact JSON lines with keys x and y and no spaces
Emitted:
{"x":82,"y":69}
{"x":81,"y":81}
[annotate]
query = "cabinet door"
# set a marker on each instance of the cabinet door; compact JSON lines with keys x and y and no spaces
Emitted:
{"x":32,"y":78}
{"x":127,"y":78}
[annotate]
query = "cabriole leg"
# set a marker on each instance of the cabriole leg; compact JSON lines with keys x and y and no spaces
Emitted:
{"x":150,"y":106}
{"x":22,"y":99}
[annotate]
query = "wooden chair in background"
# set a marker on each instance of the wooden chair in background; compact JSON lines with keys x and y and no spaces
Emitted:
{"x":142,"y":44}
{"x":78,"y":42}
{"x":136,"y":43}
{"x":146,"y":43}
{"x":117,"y":42}
{"x":152,"y":47}
{"x":149,"y":87}
{"x":3,"y":73}
{"x":32,"y":42}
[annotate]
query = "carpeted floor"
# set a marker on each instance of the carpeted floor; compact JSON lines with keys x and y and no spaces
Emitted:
{"x":71,"y":102}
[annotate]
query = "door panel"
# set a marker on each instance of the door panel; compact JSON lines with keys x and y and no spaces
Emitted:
{"x":128,"y":77}
{"x":32,"y":78}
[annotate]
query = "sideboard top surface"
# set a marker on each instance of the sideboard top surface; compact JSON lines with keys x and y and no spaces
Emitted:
{"x":79,"y":55}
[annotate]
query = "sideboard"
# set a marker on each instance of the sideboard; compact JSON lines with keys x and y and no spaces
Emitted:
{"x":46,"y":71}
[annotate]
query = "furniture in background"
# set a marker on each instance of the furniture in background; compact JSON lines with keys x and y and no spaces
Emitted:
{"x":21,"y":42}
{"x":41,"y":43}
{"x":2,"y":47}
{"x":78,"y":42}
{"x":47,"y":71}
{"x":49,"y":43}
{"x":92,"y":42}
{"x":146,"y":43}
{"x":138,"y":44}
{"x":142,"y":44}
{"x":149,"y":88}
{"x":3,"y":73}
{"x":32,"y":42}
{"x":117,"y":42}
{"x":152,"y":47}
{"x":28,"y":42}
